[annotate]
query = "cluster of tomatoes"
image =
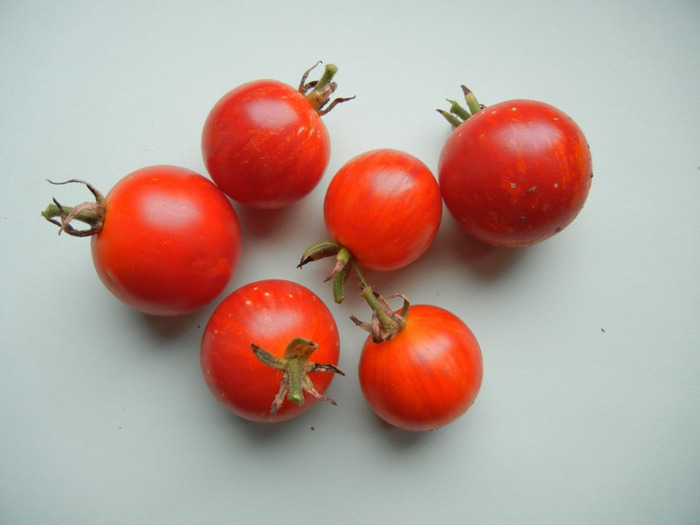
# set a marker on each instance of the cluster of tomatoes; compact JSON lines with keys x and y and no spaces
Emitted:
{"x":166,"y":241}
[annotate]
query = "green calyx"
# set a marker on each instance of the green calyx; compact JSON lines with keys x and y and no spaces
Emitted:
{"x":458,"y":113}
{"x":318,"y":92}
{"x":295,"y":366}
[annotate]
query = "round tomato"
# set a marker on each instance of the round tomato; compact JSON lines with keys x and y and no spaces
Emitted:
{"x":264,"y":143}
{"x":428,"y":375}
{"x":291,"y":324}
{"x":515,"y":173}
{"x":165,"y":240}
{"x":385,"y":207}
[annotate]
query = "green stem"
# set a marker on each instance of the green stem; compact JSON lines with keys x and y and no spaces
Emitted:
{"x":90,"y":213}
{"x":385,"y":320}
{"x":296,"y":371}
{"x":328,"y":73}
{"x":88,"y":216}
{"x":296,"y":356}
{"x":322,"y":90}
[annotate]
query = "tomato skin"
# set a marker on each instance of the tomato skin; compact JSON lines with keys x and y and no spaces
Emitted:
{"x":385,"y":207}
{"x":515,"y":173}
{"x":270,"y":314}
{"x":170,"y":241}
{"x":427,"y":376}
{"x":265,"y":145}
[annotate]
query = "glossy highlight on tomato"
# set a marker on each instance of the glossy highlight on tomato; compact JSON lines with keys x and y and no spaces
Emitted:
{"x":427,"y":376}
{"x":385,"y":207}
{"x":515,"y":173}
{"x":268,"y":314}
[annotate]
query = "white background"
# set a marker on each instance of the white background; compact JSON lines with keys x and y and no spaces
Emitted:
{"x":589,"y":410}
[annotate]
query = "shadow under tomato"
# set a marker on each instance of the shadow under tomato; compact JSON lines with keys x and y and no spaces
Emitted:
{"x":172,"y":327}
{"x":261,"y":223}
{"x":486,"y":261}
{"x":272,"y":435}
{"x":399,"y":438}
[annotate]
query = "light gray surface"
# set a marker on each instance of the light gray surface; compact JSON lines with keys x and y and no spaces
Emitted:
{"x":589,"y":408}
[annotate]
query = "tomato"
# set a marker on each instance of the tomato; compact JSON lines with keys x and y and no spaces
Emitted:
{"x":385,"y":207}
{"x":167,"y":241}
{"x":426,"y":376}
{"x":264,"y":143}
{"x":515,"y":173}
{"x":268,"y":314}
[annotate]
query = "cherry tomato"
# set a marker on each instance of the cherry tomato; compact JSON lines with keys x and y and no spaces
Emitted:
{"x":385,"y":207}
{"x":165,"y":240}
{"x":170,"y":241}
{"x":264,"y":143}
{"x":268,"y":314}
{"x":515,"y":173}
{"x":426,"y":376}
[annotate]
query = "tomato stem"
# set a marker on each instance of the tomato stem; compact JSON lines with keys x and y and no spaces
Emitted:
{"x":296,"y":373}
{"x":328,"y":73}
{"x":88,"y":216}
{"x":90,"y":213}
{"x":386,"y":323}
{"x":318,"y":92}
{"x":295,"y":366}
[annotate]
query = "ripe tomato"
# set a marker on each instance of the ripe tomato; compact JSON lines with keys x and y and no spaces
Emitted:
{"x":515,"y":173}
{"x":264,"y":143}
{"x":165,"y":240}
{"x":385,"y":207}
{"x":428,"y":375}
{"x":268,"y":314}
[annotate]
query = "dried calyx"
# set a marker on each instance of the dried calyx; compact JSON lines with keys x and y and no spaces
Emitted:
{"x":90,"y":213}
{"x":295,"y":366}
{"x":318,"y":92}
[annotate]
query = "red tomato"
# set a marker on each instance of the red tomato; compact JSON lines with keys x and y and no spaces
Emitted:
{"x":268,"y":314}
{"x":170,"y":241}
{"x":426,"y":376}
{"x":264,"y":142}
{"x":385,"y":207}
{"x":515,"y":173}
